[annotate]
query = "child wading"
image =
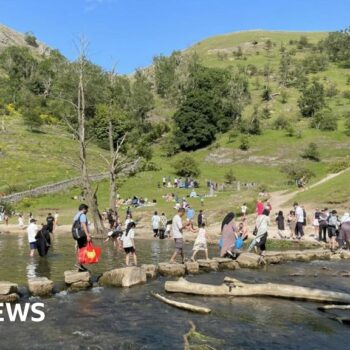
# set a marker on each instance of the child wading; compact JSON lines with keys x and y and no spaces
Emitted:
{"x":200,"y":242}
{"x":128,"y":243}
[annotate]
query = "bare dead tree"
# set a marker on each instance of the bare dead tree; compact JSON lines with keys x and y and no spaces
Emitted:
{"x":117,"y":162}
{"x":79,"y":134}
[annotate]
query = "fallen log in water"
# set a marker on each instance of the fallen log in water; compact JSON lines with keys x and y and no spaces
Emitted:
{"x":332,"y":307}
{"x":183,"y":306}
{"x":235,"y":288}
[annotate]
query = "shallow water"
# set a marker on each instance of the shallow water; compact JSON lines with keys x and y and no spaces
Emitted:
{"x":115,"y":318}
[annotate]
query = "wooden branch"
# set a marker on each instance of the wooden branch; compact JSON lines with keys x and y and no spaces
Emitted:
{"x":331,"y":307}
{"x":183,"y":306}
{"x":235,"y":288}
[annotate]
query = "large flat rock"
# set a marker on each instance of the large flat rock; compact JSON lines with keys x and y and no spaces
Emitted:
{"x":226,"y":263}
{"x":208,"y":265}
{"x":169,"y":269}
{"x":124,"y":277}
{"x":40,"y":286}
{"x":74,"y":276}
{"x":248,"y":260}
{"x":8,"y":287}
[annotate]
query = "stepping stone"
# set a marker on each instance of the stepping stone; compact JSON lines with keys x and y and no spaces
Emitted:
{"x":192,"y":267}
{"x":150,"y":270}
{"x":124,"y":277}
{"x":40,"y":286}
{"x":208,"y":265}
{"x":169,"y":269}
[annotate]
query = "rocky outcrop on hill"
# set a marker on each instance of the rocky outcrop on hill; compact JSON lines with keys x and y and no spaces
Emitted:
{"x":9,"y":37}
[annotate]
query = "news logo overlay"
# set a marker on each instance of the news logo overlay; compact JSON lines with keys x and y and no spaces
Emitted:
{"x":32,"y":312}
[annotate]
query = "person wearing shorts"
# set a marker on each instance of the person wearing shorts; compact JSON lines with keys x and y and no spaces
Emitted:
{"x":32,"y":230}
{"x":177,"y":229}
{"x":82,"y":241}
{"x":128,"y":243}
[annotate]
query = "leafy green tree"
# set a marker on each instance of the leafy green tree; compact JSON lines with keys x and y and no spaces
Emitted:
{"x":165,"y":73}
{"x":312,"y":99}
{"x":337,"y":46}
{"x":195,"y":121}
{"x":142,"y":99}
{"x":186,"y":166}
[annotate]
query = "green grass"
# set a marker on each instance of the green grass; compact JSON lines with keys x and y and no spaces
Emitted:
{"x":31,"y":159}
{"x":332,"y":192}
{"x":35,"y":159}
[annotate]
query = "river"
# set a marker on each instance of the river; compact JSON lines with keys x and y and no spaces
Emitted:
{"x":116,"y":318}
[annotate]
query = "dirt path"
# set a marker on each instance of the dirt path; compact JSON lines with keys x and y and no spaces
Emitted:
{"x":280,"y":198}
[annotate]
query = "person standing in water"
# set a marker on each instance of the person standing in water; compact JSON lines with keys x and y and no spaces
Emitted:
{"x":155,"y":224}
{"x":50,"y":222}
{"x":177,"y":229}
{"x":128,"y":243}
{"x":32,"y":230}
{"x":80,"y":219}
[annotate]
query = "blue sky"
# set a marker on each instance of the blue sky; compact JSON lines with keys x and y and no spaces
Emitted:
{"x":130,"y":32}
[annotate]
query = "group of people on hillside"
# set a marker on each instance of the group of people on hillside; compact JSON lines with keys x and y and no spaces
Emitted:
{"x":179,"y":182}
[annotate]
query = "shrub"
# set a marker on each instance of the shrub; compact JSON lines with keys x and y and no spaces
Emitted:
{"x":346,"y":94}
{"x":7,"y":207}
{"x":266,"y":94}
{"x":186,"y":166}
{"x":290,"y":130}
{"x":325,"y":121}
{"x":230,"y":177}
{"x":233,"y":135}
{"x":170,"y":148}
{"x":331,"y":90}
{"x":30,"y":39}
{"x":311,"y":152}
{"x":295,"y":172}
{"x":265,"y":113}
{"x":244,"y":143}
{"x":281,"y":123}
{"x":284,"y":97}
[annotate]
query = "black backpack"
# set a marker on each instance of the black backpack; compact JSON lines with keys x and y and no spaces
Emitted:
{"x":77,"y":231}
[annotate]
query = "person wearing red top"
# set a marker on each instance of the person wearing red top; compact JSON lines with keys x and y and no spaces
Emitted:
{"x":259,"y":207}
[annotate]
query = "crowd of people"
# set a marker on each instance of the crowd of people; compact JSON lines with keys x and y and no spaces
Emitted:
{"x":328,"y":226}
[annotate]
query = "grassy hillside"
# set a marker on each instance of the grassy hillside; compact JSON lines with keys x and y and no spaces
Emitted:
{"x":261,"y":164}
{"x":31,"y":159}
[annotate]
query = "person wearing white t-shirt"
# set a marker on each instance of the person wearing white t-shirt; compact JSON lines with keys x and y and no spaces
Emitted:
{"x":244,"y":209}
{"x":177,"y":228}
{"x":32,"y":230}
{"x":155,"y":224}
{"x":128,"y":243}
{"x":299,"y":213}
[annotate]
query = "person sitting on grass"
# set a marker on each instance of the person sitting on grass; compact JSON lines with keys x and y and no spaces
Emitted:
{"x":128,"y":243}
{"x":200,"y":242}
